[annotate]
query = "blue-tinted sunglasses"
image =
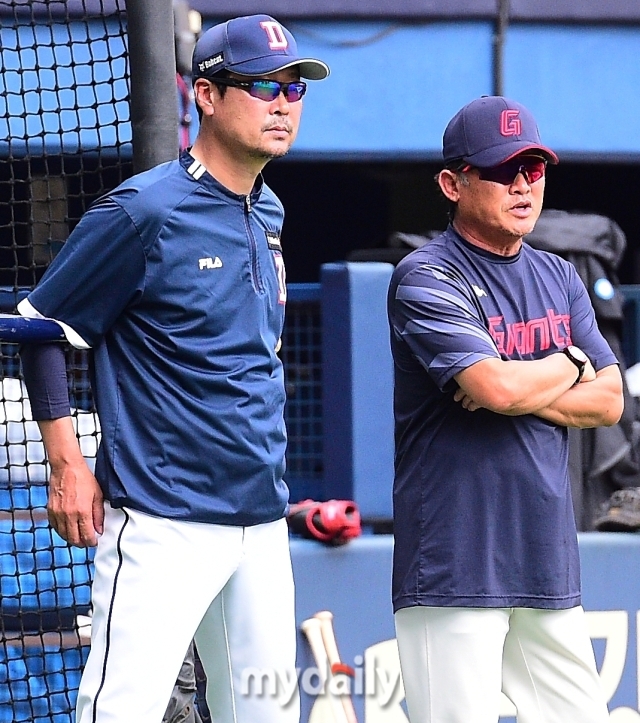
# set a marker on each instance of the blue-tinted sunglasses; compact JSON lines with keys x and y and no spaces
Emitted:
{"x":267,"y":90}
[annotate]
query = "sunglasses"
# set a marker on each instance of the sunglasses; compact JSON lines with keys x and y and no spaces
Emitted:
{"x":267,"y":90}
{"x":533,"y":169}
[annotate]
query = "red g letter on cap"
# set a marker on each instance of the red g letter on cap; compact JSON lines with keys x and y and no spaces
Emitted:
{"x":510,"y":124}
{"x":277,"y":40}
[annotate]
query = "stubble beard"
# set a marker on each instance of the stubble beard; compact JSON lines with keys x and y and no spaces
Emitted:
{"x":264,"y":154}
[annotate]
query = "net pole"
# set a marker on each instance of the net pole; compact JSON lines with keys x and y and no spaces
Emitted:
{"x":153,"y":103}
{"x":499,"y":39}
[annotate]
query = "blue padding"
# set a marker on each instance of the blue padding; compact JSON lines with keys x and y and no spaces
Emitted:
{"x":15,"y":497}
{"x":631,"y":328}
{"x":354,"y":582}
{"x":39,"y":571}
{"x":39,"y":684}
{"x":303,"y":292}
{"x":358,"y":386}
{"x":15,"y":328}
{"x":337,"y":413}
{"x":576,"y":80}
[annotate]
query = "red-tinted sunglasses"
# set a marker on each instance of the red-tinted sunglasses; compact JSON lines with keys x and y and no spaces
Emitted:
{"x":532,"y":168}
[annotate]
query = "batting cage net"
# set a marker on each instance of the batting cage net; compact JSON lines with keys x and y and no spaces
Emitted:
{"x":65,"y":139}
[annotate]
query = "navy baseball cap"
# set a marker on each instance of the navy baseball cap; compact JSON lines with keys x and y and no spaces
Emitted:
{"x":491,"y":130}
{"x":254,"y":45}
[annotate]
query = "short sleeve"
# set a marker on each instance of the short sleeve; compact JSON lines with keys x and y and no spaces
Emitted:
{"x":98,"y":272}
{"x":434,"y":314}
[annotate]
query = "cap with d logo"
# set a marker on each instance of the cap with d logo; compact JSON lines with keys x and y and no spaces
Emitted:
{"x":253,"y":45}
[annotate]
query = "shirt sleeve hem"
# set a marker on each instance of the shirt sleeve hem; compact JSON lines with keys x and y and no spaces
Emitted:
{"x":25,"y":308}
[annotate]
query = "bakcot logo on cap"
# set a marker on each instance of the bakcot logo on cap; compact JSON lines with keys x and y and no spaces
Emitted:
{"x":211,"y":62}
{"x":510,"y":123}
{"x":277,"y":39}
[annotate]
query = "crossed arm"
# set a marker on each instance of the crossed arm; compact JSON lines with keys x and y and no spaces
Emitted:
{"x":544,"y":387}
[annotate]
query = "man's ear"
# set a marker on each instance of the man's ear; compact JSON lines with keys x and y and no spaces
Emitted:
{"x":449,"y":182}
{"x":204,"y":96}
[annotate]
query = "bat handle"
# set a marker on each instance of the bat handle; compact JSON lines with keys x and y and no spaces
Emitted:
{"x":312,"y":628}
{"x":331,"y":646}
{"x":326,"y":622}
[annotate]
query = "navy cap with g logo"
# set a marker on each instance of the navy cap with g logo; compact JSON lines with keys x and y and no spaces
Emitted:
{"x":491,"y":130}
{"x":253,"y":45}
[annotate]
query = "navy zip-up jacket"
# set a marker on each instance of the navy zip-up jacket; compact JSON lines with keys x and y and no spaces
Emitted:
{"x":178,"y":285}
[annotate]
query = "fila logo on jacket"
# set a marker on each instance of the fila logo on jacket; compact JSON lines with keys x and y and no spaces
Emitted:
{"x":210,"y":263}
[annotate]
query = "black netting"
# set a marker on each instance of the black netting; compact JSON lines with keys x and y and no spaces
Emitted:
{"x":65,"y":136}
{"x":302,"y":358}
{"x":65,"y":139}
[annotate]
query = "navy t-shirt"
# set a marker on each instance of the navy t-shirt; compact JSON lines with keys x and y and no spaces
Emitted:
{"x":482,"y":501}
{"x":178,"y":286}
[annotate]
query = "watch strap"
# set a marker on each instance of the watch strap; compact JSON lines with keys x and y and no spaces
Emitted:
{"x":580,"y":365}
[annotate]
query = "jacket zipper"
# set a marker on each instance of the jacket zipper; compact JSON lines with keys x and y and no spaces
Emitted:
{"x":253,"y":249}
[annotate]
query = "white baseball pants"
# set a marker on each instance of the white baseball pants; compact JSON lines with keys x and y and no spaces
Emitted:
{"x":455,"y":661}
{"x":158,"y":583}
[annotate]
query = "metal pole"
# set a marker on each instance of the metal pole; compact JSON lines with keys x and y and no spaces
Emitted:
{"x":499,"y":37}
{"x":154,"y":104}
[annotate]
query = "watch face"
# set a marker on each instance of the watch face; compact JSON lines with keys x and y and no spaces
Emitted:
{"x":577,"y":354}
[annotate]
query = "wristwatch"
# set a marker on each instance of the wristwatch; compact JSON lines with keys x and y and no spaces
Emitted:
{"x":579,"y":358}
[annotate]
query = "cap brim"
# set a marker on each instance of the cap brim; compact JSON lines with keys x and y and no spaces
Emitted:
{"x":310,"y":68}
{"x":490,"y":157}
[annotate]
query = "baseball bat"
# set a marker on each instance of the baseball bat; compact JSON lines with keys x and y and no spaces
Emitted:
{"x":327,"y":708}
{"x":335,"y":664}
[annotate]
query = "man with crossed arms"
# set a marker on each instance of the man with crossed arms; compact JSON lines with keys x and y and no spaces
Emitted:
{"x":496,"y":352}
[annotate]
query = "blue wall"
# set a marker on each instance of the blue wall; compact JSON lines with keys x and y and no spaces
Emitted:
{"x":393,"y":87}
{"x":354,"y":583}
{"x":582,"y":83}
{"x":392,"y":96}
{"x":357,"y":386}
